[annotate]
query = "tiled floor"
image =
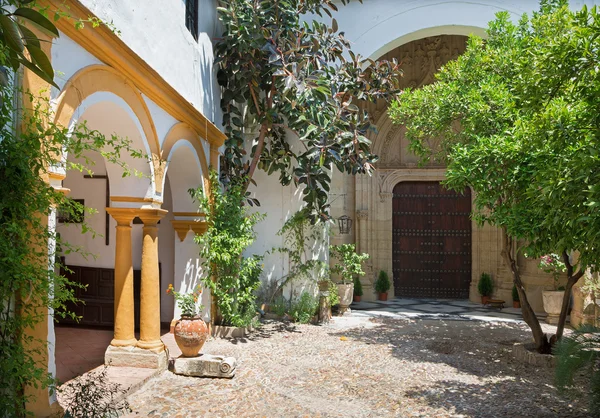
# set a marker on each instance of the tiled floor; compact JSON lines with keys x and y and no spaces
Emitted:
{"x":81,"y":349}
{"x":437,"y":308}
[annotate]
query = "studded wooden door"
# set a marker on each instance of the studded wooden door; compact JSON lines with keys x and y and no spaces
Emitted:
{"x":431,"y":248}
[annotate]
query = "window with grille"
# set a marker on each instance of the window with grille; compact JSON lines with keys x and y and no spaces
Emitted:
{"x":191,"y":17}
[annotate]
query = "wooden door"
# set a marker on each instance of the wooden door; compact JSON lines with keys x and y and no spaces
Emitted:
{"x":431,"y":248}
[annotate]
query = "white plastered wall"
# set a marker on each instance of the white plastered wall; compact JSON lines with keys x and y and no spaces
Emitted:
{"x":155,"y":30}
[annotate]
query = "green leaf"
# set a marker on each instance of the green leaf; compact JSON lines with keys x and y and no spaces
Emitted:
{"x":12,"y":35}
{"x":38,"y":19}
{"x":42,"y":61}
{"x":38,"y":72}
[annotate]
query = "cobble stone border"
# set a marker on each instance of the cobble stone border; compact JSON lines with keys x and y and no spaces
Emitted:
{"x":526,"y":353}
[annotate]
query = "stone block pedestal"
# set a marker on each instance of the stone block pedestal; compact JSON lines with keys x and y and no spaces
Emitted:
{"x":205,"y":365}
{"x":135,"y":357}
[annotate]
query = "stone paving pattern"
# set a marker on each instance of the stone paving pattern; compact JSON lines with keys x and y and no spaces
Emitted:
{"x":436,"y":308}
{"x":364,"y":366}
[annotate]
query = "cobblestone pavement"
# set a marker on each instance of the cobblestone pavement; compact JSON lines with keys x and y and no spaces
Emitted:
{"x":381,"y":367}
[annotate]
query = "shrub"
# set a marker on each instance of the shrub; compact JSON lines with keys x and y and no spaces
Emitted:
{"x":382,"y":285}
{"x":485,"y":285}
{"x":358,"y":291}
{"x":334,"y":297}
{"x":304,"y":309}
{"x":515,"y":294}
{"x":349,"y":262}
{"x":577,"y":352}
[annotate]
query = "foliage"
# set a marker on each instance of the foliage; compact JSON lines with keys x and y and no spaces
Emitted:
{"x":349,"y":262}
{"x":187,"y":302}
{"x":515,"y":119}
{"x":552,"y":264}
{"x":299,"y":237}
{"x":29,"y":284}
{"x":334,"y":296}
{"x":233,"y":278}
{"x":92,"y":395}
{"x":284,"y":75}
{"x":382,"y":284}
{"x":304,"y":308}
{"x":515,"y":294}
{"x":581,"y":350}
{"x":485,"y":285}
{"x":358,"y":290}
{"x":279,"y":306}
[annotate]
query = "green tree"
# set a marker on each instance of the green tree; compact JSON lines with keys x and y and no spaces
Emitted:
{"x":233,"y":278}
{"x":515,"y":118}
{"x":285,"y":75}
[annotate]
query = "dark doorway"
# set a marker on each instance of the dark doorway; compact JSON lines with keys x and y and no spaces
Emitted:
{"x":431,"y":249}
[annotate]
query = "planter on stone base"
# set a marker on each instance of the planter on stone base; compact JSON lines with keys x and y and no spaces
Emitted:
{"x":345,"y":293}
{"x":190,"y":335}
{"x":553,"y":300}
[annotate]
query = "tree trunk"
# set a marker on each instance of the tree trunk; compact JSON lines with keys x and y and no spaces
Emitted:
{"x":573,"y":278}
{"x":324,"y":308}
{"x":542,"y":344}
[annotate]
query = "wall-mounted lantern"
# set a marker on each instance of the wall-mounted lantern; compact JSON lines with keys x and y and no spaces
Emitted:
{"x":344,"y":223}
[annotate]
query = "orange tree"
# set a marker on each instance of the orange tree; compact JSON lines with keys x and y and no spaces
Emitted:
{"x":518,"y":120}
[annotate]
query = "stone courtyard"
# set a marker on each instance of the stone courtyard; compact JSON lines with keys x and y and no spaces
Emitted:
{"x":368,"y":364}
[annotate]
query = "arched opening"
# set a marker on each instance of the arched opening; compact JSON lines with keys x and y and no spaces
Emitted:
{"x":431,"y":241}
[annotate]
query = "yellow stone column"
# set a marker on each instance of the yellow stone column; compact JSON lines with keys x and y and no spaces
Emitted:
{"x":124,"y":319}
{"x":150,"y":286}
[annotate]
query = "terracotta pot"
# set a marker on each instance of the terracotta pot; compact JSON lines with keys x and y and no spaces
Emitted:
{"x":553,"y":300}
{"x":356,"y":298}
{"x":190,"y":335}
{"x":485,"y":300}
{"x":383,"y":296}
{"x":516,"y":304}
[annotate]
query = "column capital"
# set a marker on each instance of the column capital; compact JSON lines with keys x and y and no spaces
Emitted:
{"x":150,"y":217}
{"x":182,"y":227}
{"x":123,"y":216}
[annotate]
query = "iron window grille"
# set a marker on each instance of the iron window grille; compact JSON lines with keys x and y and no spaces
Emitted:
{"x":191,"y":17}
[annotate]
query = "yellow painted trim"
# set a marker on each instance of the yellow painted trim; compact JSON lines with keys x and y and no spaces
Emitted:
{"x":96,"y":78}
{"x":183,"y":227}
{"x":183,"y":131}
{"x":189,"y":214}
{"x":132,"y":199}
{"x":107,"y":47}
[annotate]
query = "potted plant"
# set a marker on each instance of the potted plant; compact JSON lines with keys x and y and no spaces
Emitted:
{"x":485,"y":287}
{"x":553,"y":299}
{"x":515,"y":297}
{"x":349,"y":265}
{"x":358,"y":292}
{"x":382,"y":285}
{"x":190,"y":331}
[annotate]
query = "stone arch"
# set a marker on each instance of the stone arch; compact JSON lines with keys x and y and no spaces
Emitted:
{"x":386,"y":24}
{"x":183,"y":146}
{"x":101,"y":78}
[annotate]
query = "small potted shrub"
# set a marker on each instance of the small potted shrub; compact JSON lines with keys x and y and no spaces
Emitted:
{"x":485,"y":287}
{"x":349,"y":266}
{"x":382,"y":285}
{"x":515,"y":297}
{"x":358,"y":291}
{"x":190,"y":331}
{"x":553,"y":299}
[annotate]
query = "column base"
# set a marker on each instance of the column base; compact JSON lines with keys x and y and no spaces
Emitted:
{"x":156,"y":346}
{"x":135,"y":357}
{"x":123,"y":343}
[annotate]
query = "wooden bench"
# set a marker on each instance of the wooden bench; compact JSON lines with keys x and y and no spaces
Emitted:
{"x":495,"y":303}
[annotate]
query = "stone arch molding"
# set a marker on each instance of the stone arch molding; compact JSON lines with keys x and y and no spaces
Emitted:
{"x":387,"y":24}
{"x":101,"y":78}
{"x":182,"y":135}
